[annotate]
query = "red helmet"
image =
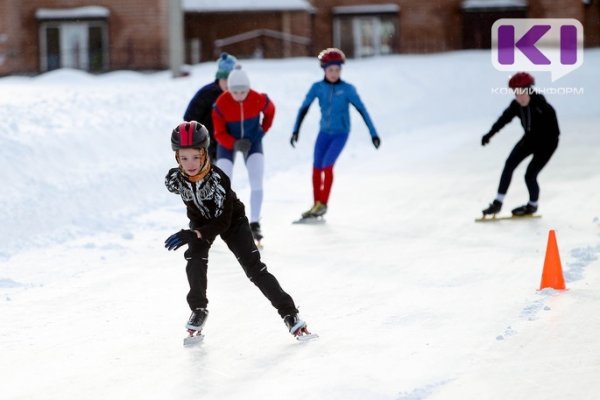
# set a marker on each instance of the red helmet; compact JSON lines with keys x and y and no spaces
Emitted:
{"x":331,"y":56}
{"x":190,"y":135}
{"x":521,"y":80}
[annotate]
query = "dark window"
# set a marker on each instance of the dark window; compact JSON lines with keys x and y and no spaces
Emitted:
{"x":52,"y":48}
{"x":96,"y":49}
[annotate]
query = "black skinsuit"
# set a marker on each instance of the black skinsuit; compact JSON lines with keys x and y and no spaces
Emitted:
{"x":214,"y":209}
{"x":538,"y":119}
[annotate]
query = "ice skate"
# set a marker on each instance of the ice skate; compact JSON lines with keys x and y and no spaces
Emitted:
{"x":315,"y":214}
{"x":520,"y":213}
{"x":493,"y":209}
{"x":256,"y":233}
{"x":523,"y":211}
{"x":297,"y":328}
{"x":197,"y":319}
{"x":194,"y":326}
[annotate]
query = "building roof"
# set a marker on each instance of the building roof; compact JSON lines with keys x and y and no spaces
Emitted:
{"x":245,"y":5}
{"x":72,"y":13}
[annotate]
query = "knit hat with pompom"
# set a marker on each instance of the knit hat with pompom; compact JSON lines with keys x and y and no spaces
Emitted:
{"x":225,"y":65}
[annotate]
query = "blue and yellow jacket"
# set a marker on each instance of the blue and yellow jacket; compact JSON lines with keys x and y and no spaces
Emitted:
{"x":334,"y":100}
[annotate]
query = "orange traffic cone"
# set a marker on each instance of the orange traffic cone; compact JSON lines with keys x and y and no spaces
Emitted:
{"x":552,"y":276}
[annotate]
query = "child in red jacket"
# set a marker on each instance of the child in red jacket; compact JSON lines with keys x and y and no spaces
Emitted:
{"x":241,"y":117}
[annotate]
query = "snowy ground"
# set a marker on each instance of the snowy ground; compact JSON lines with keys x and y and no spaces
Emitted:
{"x":411,"y":298}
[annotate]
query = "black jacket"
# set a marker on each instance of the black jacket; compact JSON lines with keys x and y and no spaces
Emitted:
{"x":212,"y":206}
{"x":200,"y":109}
{"x":538,"y":119}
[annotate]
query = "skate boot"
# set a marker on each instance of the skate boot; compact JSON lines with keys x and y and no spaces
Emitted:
{"x":197,"y":319}
{"x":294,"y":324}
{"x":320,"y":209}
{"x":527,"y":209}
{"x":493,"y":209}
{"x":317,"y":210}
{"x":194,"y":327}
{"x":297,"y":327}
{"x":256,"y":232}
{"x":309,"y":212}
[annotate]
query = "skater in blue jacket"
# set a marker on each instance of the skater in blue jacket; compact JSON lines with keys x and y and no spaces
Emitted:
{"x":335,"y":97}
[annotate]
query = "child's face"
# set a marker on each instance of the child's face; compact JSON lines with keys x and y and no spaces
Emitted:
{"x":522,"y":96}
{"x":239,"y":94}
{"x":191,"y":160}
{"x":332,"y":73}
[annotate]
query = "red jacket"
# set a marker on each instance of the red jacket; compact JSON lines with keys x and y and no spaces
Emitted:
{"x":233,"y":120}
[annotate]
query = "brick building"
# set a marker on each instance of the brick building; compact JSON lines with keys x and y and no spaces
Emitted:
{"x":98,"y":35}
{"x":101,"y":35}
{"x":363,"y":28}
{"x":268,"y":28}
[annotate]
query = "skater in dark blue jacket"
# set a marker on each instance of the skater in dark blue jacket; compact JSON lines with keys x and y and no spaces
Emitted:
{"x":335,"y":97}
{"x":201,"y":105}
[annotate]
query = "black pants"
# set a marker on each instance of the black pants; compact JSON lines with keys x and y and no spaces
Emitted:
{"x":522,"y":150}
{"x":239,"y":240}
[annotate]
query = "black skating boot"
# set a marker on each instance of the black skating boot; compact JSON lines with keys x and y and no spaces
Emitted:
{"x":294,"y":324}
{"x":197,"y":319}
{"x":494,"y":208}
{"x":256,"y":232}
{"x":527,"y":209}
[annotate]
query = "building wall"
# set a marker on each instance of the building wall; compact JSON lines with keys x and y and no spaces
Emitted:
{"x":588,"y":15}
{"x":555,"y":9}
{"x":429,"y":26}
{"x":437,"y":25}
{"x":208,"y":27}
{"x":591,"y":24}
{"x":138,"y":34}
{"x":9,"y":37}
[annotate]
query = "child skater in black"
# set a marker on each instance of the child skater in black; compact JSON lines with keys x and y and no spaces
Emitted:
{"x":214,"y":209}
{"x":538,"y":119}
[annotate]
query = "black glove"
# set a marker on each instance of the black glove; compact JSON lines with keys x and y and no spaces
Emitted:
{"x":242,"y":145}
{"x":376,"y":141}
{"x":180,"y":238}
{"x":294,"y":139}
{"x":486,"y":138}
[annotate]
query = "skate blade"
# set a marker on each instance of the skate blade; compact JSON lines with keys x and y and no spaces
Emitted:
{"x":307,"y":337}
{"x":193,"y":340}
{"x":310,"y":220}
{"x":507,"y":217}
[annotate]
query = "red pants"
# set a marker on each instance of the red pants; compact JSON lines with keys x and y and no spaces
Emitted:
{"x":322,"y":181}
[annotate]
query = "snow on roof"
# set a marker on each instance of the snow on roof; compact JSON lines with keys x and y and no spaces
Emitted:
{"x":367,"y":9}
{"x":475,"y":4}
{"x":244,"y":5}
{"x":72,"y":13}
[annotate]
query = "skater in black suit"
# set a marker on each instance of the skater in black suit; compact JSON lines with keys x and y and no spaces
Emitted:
{"x":538,"y":119}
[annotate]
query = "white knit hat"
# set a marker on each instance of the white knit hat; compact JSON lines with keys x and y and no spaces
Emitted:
{"x":238,"y":79}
